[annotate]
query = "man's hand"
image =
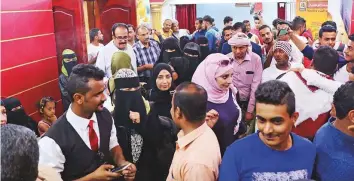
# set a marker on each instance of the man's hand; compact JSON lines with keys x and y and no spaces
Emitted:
{"x":211,"y":118}
{"x":135,"y":117}
{"x":149,"y":66}
{"x":103,"y":173}
{"x":129,"y":173}
{"x":248,"y":116}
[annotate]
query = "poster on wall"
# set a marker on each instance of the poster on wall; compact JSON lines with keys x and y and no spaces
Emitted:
{"x":143,"y":11}
{"x":315,"y":12}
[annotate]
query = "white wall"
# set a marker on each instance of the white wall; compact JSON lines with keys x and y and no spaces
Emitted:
{"x":219,"y":11}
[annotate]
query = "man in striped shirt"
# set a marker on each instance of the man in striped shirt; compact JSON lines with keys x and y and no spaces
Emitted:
{"x":147,"y":52}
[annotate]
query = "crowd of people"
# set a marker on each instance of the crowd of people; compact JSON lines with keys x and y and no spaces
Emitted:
{"x":261,"y":103}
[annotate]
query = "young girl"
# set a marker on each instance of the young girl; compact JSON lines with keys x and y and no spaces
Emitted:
{"x":46,"y":107}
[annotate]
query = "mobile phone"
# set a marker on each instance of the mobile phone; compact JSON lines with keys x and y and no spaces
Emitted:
{"x":120,"y":169}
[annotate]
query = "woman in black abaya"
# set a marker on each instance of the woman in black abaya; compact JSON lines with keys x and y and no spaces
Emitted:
{"x":170,"y":48}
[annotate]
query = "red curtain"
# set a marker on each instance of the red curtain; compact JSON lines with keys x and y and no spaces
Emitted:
{"x":186,"y":16}
{"x":281,"y":10}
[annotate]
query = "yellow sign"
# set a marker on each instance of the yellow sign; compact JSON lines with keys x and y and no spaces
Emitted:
{"x":315,"y":13}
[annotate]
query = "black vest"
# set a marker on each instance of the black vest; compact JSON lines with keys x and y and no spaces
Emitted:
{"x":79,"y":159}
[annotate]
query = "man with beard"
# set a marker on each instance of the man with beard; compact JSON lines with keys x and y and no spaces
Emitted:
{"x":211,"y":34}
{"x":268,"y":42}
{"x":247,"y":72}
{"x":343,"y":73}
{"x":254,"y":38}
{"x":96,"y":37}
{"x":199,"y":29}
{"x":81,"y":143}
{"x":239,"y":27}
{"x":118,"y":44}
{"x":282,"y":50}
{"x":147,"y":52}
{"x":261,"y":155}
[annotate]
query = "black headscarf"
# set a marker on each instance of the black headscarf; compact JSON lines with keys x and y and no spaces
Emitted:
{"x":191,"y":49}
{"x":202,"y":40}
{"x":183,"y":41}
{"x":18,"y":116}
{"x":162,"y":99}
{"x":181,"y":65}
{"x":126,"y":101}
{"x":169,"y":44}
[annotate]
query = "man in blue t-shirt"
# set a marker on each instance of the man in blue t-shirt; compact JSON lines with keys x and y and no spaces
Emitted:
{"x":335,"y":140}
{"x":211,"y":34}
{"x":273,"y":153}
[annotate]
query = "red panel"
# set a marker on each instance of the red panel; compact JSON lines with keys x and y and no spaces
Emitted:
{"x":44,"y":47}
{"x":74,"y":11}
{"x":20,"y":5}
{"x":25,"y":77}
{"x":26,"y":24}
{"x":31,"y":97}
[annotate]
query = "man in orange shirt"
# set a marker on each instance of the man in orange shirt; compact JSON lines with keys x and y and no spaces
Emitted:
{"x":197,"y":155}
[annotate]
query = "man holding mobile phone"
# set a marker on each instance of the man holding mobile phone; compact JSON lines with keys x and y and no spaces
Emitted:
{"x":84,"y":140}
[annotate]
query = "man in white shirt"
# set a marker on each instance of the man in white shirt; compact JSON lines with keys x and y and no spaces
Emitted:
{"x":81,"y":143}
{"x":94,"y":47}
{"x":314,"y":90}
{"x":281,"y":54}
{"x":119,"y":43}
{"x":343,"y":73}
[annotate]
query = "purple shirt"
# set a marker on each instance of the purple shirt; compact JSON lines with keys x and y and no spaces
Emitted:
{"x":247,"y":76}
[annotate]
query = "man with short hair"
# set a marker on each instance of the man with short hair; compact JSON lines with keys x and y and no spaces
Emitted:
{"x":267,"y":37}
{"x":247,"y":72}
{"x":118,"y":44}
{"x":211,"y":33}
{"x":339,"y":46}
{"x":228,"y":21}
{"x":342,"y":75}
{"x":197,"y":155}
{"x":282,"y":50}
{"x":82,"y":141}
{"x":166,"y":29}
{"x":239,"y":27}
{"x":96,"y":37}
{"x":261,"y":155}
{"x":19,"y":153}
{"x":147,"y":52}
{"x":253,"y":37}
{"x":334,"y":141}
{"x":226,"y":35}
{"x":199,"y":29}
{"x":299,"y":28}
{"x":175,"y":29}
{"x":131,"y":35}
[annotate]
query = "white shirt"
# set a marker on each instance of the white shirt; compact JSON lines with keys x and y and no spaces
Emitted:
{"x":311,"y":104}
{"x":296,"y":55}
{"x":272,"y":72}
{"x":50,"y":152}
{"x":342,"y":75}
{"x":104,"y":58}
{"x":92,"y":50}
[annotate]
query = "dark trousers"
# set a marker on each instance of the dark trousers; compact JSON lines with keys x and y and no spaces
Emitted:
{"x":250,"y":124}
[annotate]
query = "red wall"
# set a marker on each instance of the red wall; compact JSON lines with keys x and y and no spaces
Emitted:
{"x":29,"y":68}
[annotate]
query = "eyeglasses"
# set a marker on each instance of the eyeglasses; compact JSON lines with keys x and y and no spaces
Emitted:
{"x":121,"y":37}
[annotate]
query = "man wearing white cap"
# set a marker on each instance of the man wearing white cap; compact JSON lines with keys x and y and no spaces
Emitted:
{"x":281,"y":54}
{"x":247,"y":72}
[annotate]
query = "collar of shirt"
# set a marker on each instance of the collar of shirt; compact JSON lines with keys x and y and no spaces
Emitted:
{"x":79,"y":123}
{"x":184,"y":140}
{"x":247,"y":58}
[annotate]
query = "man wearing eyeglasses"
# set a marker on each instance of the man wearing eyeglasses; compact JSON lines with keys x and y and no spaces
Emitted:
{"x":118,"y":44}
{"x":247,"y":72}
{"x":147,"y":53}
